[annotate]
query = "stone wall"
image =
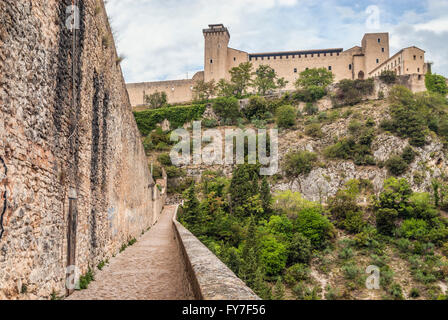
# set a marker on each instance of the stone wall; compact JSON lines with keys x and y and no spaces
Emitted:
{"x":177,"y":91}
{"x":74,"y":181}
{"x":207,"y":277}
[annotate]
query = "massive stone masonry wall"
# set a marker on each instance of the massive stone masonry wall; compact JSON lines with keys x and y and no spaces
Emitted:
{"x":177,"y":91}
{"x":66,"y":131}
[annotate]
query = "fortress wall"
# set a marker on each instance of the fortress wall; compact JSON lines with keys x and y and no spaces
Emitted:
{"x":235,"y":58}
{"x":62,"y":163}
{"x":178,"y":91}
{"x":285,"y":67}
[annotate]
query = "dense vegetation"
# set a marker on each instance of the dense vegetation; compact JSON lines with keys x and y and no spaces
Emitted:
{"x":274,"y":242}
{"x":284,"y":246}
{"x":148,"y":120}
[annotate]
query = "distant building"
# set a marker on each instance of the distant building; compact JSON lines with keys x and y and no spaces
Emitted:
{"x":363,"y":62}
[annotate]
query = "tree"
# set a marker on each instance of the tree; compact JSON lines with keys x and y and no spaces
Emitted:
{"x":315,"y":77}
{"x":279,"y":290}
{"x":388,"y":76}
{"x":266,"y":79}
{"x":315,"y":226}
{"x":286,"y":116}
{"x":202,"y":90}
{"x":265,"y":195}
{"x":300,"y":249}
{"x":190,"y":209}
{"x":250,"y":254}
{"x":156,"y":100}
{"x":241,"y":78}
{"x":436,"y":83}
{"x":227,"y":108}
{"x":225,"y":88}
{"x":299,"y":162}
{"x":242,"y":185}
{"x":257,"y":108}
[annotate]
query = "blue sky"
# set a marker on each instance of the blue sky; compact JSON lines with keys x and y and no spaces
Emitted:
{"x":162,"y":39}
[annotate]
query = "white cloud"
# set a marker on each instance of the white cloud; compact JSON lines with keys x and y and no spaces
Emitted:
{"x":162,"y":39}
{"x":437,"y":26}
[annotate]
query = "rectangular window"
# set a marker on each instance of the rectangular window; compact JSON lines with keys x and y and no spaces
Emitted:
{"x":379,"y":40}
{"x":377,"y":60}
{"x":329,"y":68}
{"x":295,"y":70}
{"x":211,"y":60}
{"x":382,"y":49}
{"x":415,"y":57}
{"x":349,"y":67}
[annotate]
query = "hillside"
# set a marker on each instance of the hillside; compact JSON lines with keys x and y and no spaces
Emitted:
{"x":360,"y":184}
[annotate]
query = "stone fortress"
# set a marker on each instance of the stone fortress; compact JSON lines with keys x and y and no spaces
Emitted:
{"x":358,"y":62}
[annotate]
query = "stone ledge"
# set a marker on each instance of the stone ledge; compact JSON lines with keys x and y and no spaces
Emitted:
{"x":209,"y":277}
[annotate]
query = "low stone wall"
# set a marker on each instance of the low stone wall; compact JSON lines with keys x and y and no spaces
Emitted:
{"x":207,"y":277}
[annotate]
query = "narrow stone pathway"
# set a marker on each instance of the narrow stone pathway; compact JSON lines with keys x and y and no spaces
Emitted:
{"x":151,"y":269}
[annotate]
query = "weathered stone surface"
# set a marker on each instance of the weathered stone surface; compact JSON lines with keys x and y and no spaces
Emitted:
{"x":210,"y":278}
{"x":65,"y":123}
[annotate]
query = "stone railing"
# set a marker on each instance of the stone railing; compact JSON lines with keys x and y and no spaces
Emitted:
{"x":208,"y":277}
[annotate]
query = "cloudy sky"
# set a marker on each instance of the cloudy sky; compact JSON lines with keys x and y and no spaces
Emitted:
{"x":162,"y":39}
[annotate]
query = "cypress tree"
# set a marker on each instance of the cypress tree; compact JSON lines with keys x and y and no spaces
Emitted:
{"x":265,"y":195}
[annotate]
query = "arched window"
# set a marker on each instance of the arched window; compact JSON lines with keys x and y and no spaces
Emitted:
{"x":361,"y":75}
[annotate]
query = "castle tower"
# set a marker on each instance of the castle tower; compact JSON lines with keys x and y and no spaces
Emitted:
{"x":217,"y":39}
{"x":375,"y":47}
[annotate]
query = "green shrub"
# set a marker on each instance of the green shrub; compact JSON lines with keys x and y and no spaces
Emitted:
{"x":309,"y":95}
{"x":273,"y":255}
{"x":299,"y":249}
{"x":414,"y":229}
{"x":174,"y":172}
{"x":313,"y":130}
{"x":165,"y":159}
{"x":296,"y":273}
{"x":210,"y":123}
{"x":156,"y":100}
{"x":316,"y":77}
{"x":312,"y":224}
{"x":396,"y":292}
{"x":346,"y":253}
{"x":286,"y":116}
{"x":385,"y":220}
{"x":281,"y":227}
{"x":407,"y":116}
{"x":351,"y":92}
{"x":351,"y":271}
{"x":227,"y":108}
{"x":414,"y":293}
{"x":85,"y":279}
{"x":436,"y":83}
{"x":310,"y":109}
{"x":408,"y":154}
{"x":147,"y":120}
{"x":257,"y":108}
{"x":396,"y":165}
{"x":388,"y":76}
{"x":297,"y":163}
{"x":354,"y":221}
